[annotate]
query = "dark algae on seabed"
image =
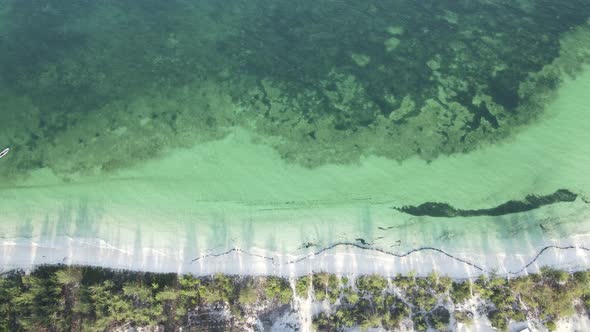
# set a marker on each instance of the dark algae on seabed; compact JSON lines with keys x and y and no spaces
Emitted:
{"x":321,"y":81}
{"x":530,"y":202}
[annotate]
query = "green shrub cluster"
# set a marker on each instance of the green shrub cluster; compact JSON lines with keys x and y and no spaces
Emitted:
{"x":302,"y":286}
{"x":326,"y":286}
{"x":547,"y":296}
{"x":461,"y":291}
{"x":277,"y":289}
{"x":384,"y":311}
{"x":370,"y":305}
{"x":93,"y":299}
{"x":58,"y":298}
{"x":439,"y":319}
{"x":505,"y":304}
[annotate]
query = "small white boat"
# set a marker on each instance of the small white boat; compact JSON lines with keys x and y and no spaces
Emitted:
{"x":4,"y":152}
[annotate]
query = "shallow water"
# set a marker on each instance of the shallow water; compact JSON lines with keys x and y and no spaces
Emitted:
{"x":152,"y":135}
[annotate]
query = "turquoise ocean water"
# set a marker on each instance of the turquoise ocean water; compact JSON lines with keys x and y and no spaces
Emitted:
{"x":159,"y":135}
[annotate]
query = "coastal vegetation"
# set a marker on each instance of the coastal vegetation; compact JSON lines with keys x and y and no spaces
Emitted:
{"x":78,"y":298}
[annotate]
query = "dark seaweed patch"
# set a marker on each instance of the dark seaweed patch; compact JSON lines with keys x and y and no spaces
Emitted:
{"x":530,"y":202}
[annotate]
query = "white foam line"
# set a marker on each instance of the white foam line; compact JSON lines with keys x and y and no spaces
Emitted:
{"x":343,"y":260}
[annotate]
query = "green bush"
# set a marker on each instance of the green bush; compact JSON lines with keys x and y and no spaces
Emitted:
{"x":420,"y":324}
{"x":461,"y":291}
{"x":248,"y":295}
{"x":345,"y":317}
{"x":421,"y":298}
{"x":463,"y":317}
{"x":372,"y":284}
{"x":219,"y":289}
{"x":394,"y":314}
{"x":551,"y":293}
{"x":278,"y":289}
{"x":9,"y":291}
{"x":404,"y":282}
{"x":302,"y":286}
{"x":59,"y":298}
{"x":498,"y":320}
{"x":353,"y":298}
{"x":320,"y":295}
{"x":439,"y":319}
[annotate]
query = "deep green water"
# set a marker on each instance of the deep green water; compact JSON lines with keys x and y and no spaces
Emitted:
{"x":199,"y":126}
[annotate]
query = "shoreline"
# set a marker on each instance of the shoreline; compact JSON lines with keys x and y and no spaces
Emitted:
{"x":340,"y":258}
{"x":250,"y":240}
